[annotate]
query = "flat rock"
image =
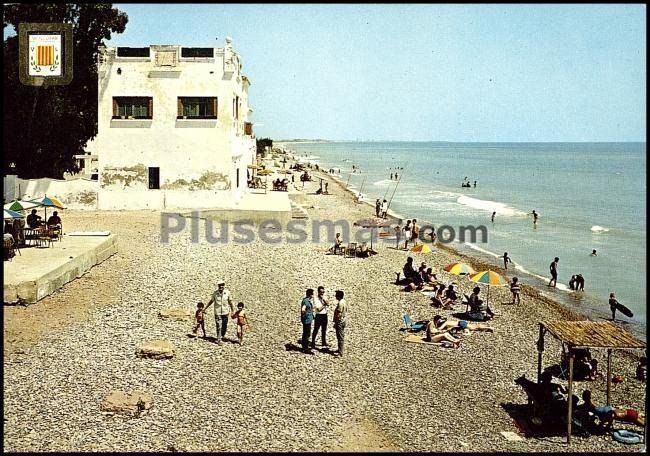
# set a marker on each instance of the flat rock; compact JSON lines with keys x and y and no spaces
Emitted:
{"x":122,"y":403}
{"x":175,"y":313}
{"x":157,"y":349}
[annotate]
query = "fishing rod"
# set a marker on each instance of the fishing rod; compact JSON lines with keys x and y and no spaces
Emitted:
{"x":362,"y":183}
{"x":395,"y":189}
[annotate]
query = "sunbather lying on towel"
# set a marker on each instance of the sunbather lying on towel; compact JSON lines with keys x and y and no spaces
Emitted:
{"x":444,"y":324}
{"x":433,"y":334}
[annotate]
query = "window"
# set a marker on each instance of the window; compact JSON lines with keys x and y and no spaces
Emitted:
{"x":235,"y":107}
{"x":197,"y":52}
{"x":248,"y":128}
{"x":154,"y":178}
{"x":132,"y":107}
{"x":133,"y":52}
{"x":197,"y":107}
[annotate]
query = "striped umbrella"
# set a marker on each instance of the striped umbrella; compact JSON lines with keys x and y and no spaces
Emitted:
{"x":421,"y":248}
{"x":489,"y":278}
{"x":9,"y":214}
{"x":19,"y":205}
{"x":46,"y":202}
{"x":459,"y":268}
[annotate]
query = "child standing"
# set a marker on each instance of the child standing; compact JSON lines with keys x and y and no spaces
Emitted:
{"x":199,"y":320}
{"x":242,"y":321}
{"x":515,"y":289}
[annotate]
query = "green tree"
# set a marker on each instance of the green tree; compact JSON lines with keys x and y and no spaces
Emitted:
{"x":262,"y":143}
{"x":44,"y":127}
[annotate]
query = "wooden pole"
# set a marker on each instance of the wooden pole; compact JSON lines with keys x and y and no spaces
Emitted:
{"x":540,"y":350}
{"x":609,"y":374}
{"x":570,"y":399}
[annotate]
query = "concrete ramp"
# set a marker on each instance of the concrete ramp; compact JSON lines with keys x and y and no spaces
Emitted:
{"x":39,"y":271}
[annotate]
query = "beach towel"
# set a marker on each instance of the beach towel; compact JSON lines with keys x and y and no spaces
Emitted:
{"x":415,"y":338}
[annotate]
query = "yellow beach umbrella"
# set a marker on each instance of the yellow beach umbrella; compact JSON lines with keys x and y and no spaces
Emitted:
{"x":459,"y":268}
{"x":489,"y":278}
{"x":264,"y":172}
{"x":421,"y":248}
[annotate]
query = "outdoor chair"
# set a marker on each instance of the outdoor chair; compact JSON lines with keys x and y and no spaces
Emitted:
{"x":44,"y":237}
{"x":9,"y":249}
{"x":351,"y":250}
{"x":56,"y":232}
{"x":411,"y":325}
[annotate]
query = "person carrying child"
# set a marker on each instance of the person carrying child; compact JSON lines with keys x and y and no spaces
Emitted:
{"x":199,"y":319}
{"x":242,"y":321}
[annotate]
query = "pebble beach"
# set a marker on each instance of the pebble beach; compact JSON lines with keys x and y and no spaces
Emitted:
{"x":65,"y":354}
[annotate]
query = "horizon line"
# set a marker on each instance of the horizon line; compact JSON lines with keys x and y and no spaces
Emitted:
{"x":456,"y":142}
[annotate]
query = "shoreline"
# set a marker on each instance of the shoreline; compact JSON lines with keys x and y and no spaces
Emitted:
{"x":568,"y":303}
{"x":475,"y":262}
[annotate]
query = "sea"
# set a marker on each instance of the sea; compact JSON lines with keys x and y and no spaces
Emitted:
{"x":588,"y":196}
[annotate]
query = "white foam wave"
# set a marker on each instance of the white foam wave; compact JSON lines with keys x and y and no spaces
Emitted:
{"x":599,"y":229}
{"x":383,"y":183}
{"x":482,"y":250}
{"x":490,"y":206}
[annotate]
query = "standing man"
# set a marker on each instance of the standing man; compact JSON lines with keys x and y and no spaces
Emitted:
{"x":398,"y":234}
{"x":613,"y":302}
{"x":340,"y":320}
{"x":384,"y":209}
{"x":306,"y":317}
{"x":377,"y":207}
{"x":320,"y":306}
{"x":553,"y":269}
{"x":493,"y":215}
{"x":535,"y":215}
{"x":223,"y":308}
{"x":415,"y":232}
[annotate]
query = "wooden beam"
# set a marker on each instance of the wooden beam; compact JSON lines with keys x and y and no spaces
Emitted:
{"x":609,"y":375}
{"x":540,"y":350}
{"x":570,"y":400}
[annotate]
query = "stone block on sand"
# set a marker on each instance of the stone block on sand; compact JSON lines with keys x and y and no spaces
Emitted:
{"x":157,"y":349}
{"x":175,"y":314}
{"x":122,"y":403}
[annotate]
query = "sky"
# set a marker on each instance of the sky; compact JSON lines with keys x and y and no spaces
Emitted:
{"x":417,"y":72}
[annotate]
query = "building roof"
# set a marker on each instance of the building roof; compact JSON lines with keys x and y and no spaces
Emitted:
{"x":592,"y":334}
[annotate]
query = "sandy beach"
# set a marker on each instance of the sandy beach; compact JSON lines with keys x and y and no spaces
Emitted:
{"x":66,"y":353}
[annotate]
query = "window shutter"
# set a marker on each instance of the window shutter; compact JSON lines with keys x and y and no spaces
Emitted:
{"x":179,"y":109}
{"x":151,"y":107}
{"x":214,"y":106}
{"x":115,"y":110}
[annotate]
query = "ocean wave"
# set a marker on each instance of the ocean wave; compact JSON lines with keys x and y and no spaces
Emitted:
{"x":599,"y":229}
{"x":480,"y":249}
{"x":518,"y":267}
{"x":491,"y":206}
{"x":383,"y":183}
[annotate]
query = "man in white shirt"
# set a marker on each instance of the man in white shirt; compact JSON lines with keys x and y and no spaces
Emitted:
{"x":223,"y":308}
{"x":340,"y":320}
{"x":320,"y":308}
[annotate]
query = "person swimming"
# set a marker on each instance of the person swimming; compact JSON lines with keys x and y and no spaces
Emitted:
{"x":593,"y":253}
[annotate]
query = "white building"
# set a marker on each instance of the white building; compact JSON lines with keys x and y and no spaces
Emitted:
{"x":172,"y":125}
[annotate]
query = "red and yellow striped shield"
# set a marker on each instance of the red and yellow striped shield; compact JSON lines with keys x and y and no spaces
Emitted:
{"x":45,"y":55}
